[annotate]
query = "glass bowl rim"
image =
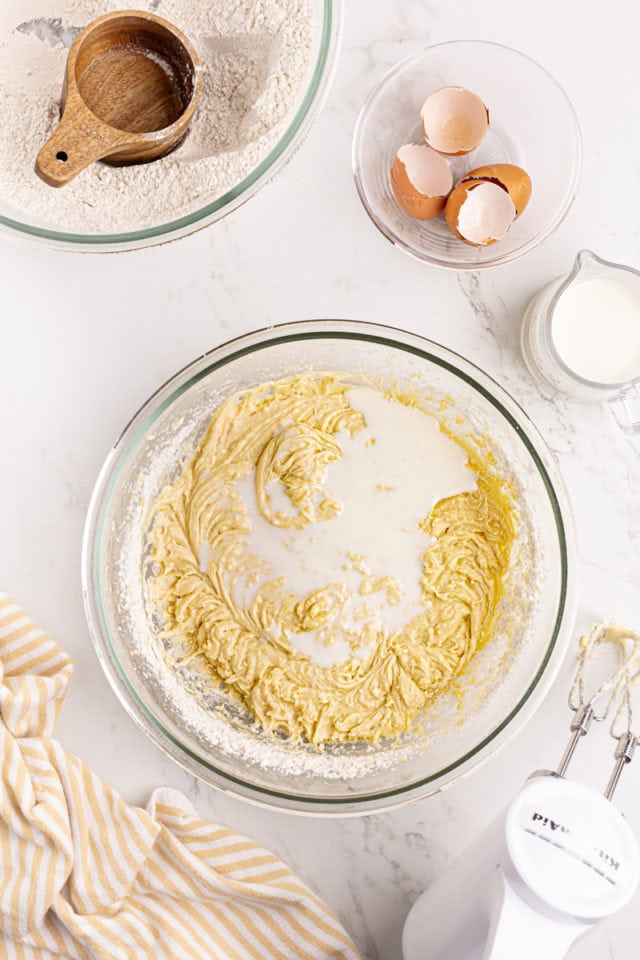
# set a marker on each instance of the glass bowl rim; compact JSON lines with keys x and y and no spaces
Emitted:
{"x":179,"y":384}
{"x":289,"y":141}
{"x":497,"y":260}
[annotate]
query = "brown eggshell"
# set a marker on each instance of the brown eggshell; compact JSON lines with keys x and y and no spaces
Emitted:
{"x":515,"y":180}
{"x":456,"y":200}
{"x":454,"y":121}
{"x":416,"y":204}
{"x":413,"y":201}
{"x":452,"y":208}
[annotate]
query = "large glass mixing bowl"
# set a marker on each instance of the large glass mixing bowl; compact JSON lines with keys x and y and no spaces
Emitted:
{"x":497,"y":694}
{"x":327,"y":27}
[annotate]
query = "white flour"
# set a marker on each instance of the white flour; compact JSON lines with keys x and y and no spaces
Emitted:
{"x":256,"y":55}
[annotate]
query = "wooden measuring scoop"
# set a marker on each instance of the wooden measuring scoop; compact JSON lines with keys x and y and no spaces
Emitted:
{"x":132,"y":86}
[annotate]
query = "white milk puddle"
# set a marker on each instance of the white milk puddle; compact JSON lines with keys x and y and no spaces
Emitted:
{"x":391,"y":474}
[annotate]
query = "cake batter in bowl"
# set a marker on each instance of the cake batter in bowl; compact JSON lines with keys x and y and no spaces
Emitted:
{"x":194,"y":712}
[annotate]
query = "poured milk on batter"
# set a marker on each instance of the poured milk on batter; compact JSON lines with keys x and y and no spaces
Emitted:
{"x":389,"y":477}
{"x":303,"y":538}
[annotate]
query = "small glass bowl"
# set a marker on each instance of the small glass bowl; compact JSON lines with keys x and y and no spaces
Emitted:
{"x":533,"y":125}
{"x":328,"y":16}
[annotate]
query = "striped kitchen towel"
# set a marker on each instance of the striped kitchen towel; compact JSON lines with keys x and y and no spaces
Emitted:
{"x":83,"y":875}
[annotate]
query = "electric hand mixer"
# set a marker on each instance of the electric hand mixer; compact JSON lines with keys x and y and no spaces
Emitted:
{"x":561,"y":857}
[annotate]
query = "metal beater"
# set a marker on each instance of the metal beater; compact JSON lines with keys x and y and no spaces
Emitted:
{"x":610,"y":698}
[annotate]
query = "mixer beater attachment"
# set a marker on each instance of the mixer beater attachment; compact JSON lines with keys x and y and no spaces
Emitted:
{"x":611,"y":697}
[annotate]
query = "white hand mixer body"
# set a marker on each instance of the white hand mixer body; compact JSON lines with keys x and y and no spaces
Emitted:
{"x":556,"y":862}
{"x":560,"y":858}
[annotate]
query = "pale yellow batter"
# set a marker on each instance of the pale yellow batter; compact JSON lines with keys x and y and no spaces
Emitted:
{"x":286,"y":432}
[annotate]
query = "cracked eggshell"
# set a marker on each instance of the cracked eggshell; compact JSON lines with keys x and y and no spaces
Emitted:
{"x":515,"y":181}
{"x":479,"y":212}
{"x":421,"y":180}
{"x":454,"y":121}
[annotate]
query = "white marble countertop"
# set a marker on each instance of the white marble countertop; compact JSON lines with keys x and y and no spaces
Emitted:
{"x":86,"y":339}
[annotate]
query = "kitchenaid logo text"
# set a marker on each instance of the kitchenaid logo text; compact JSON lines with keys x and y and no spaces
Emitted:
{"x":578,"y":840}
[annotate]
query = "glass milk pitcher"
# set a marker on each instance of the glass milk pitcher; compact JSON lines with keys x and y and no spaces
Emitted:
{"x":581,"y":336}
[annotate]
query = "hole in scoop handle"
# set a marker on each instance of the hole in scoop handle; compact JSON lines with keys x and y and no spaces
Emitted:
{"x":78,"y":141}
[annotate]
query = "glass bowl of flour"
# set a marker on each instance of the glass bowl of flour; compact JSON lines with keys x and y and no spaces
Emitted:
{"x":267,"y":68}
{"x":192,"y":714}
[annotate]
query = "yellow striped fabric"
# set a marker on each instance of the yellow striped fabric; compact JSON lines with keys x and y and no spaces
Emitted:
{"x":83,"y":875}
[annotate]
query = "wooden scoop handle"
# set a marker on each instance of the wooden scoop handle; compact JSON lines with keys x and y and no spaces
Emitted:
{"x":78,"y":141}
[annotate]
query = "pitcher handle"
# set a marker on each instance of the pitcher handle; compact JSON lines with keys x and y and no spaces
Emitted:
{"x":626,"y":411}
